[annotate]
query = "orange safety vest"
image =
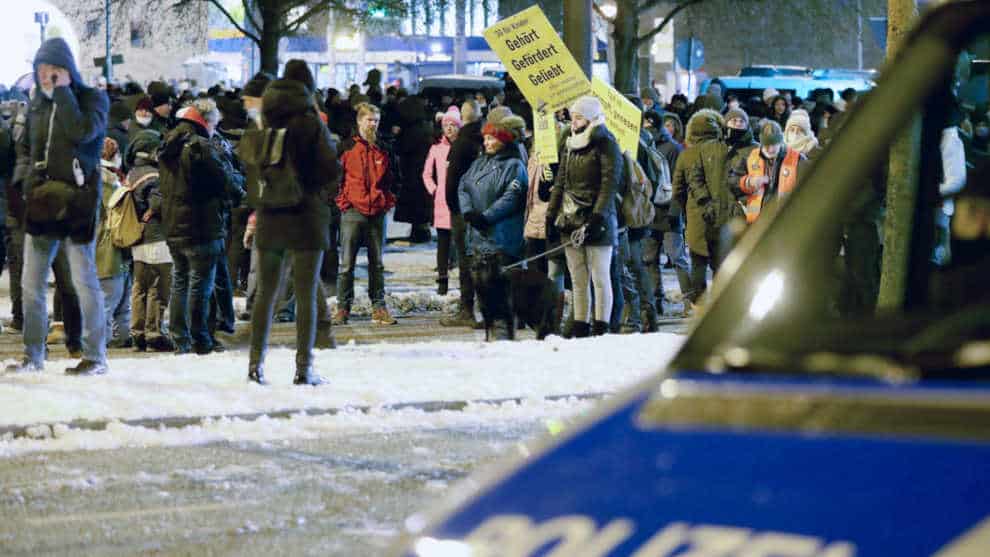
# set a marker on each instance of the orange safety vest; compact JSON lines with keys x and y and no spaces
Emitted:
{"x":756,"y":167}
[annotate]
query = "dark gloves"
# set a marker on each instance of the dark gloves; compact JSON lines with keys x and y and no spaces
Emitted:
{"x":708,"y":213}
{"x":475,"y":219}
{"x":596,"y":228}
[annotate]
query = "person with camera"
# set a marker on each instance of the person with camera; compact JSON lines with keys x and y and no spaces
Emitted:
{"x":66,"y":124}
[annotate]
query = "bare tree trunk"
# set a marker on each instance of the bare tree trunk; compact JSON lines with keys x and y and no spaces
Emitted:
{"x":903,"y":173}
{"x":625,"y":34}
{"x":269,"y":49}
{"x":577,"y":32}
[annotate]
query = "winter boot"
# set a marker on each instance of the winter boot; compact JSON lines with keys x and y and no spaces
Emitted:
{"x":650,"y":320}
{"x":580,"y":329}
{"x":140,"y":344}
{"x":25,"y":366}
{"x":87,"y":367}
{"x":442,"y":286}
{"x":599,"y":328}
{"x":305,"y":376}
{"x":463,"y":318}
{"x":324,"y":336}
{"x":256,"y":373}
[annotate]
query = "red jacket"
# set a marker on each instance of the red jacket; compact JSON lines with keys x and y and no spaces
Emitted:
{"x":366,"y":180}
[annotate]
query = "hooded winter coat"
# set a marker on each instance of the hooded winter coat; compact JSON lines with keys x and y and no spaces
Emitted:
{"x":590,"y":175}
{"x":193,"y":185}
{"x":413,"y":146}
{"x":147,"y":197}
{"x":463,"y":152}
{"x":740,"y":147}
{"x":286,"y":104}
{"x":434,"y":180}
{"x":78,"y":117}
{"x":700,"y":191}
{"x":110,"y":260}
{"x":495,"y":186}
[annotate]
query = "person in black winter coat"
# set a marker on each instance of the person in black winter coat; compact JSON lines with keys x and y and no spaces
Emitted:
{"x":583,"y":197}
{"x":301,"y":233}
{"x":465,"y":149}
{"x":194,"y":189}
{"x":414,"y":204}
{"x":66,"y":126}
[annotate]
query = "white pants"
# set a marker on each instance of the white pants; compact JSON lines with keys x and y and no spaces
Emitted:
{"x":589,"y":266}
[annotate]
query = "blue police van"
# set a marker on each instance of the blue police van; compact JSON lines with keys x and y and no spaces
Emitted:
{"x":797,"y":421}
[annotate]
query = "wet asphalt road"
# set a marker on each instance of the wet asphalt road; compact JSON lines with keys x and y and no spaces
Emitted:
{"x":339,"y":495}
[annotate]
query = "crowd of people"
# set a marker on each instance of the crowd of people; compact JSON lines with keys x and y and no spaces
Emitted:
{"x":153,"y":207}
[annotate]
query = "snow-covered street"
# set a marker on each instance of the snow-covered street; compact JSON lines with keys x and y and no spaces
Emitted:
{"x":181,"y":455}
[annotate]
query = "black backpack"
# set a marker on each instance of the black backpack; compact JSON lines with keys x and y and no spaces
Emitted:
{"x":272,"y":179}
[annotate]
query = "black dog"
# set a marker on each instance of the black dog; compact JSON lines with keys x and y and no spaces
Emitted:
{"x":536,"y":301}
{"x":505,"y":296}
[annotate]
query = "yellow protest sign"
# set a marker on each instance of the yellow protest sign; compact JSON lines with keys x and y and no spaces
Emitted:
{"x":545,"y":136}
{"x":536,"y":58}
{"x":622,"y":117}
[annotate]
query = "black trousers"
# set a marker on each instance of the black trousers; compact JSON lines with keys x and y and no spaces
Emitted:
{"x":66,"y":302}
{"x":443,"y":252}
{"x":14,"y":243}
{"x":305,"y":276}
{"x":458,"y":230}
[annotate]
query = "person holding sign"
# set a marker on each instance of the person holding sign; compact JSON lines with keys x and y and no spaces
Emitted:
{"x":583,"y":198}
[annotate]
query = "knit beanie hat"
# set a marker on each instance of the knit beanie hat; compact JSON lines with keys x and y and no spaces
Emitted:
{"x":144,"y":104}
{"x":769,"y":93}
{"x":770,"y":133}
{"x":160,"y":93}
{"x":737,"y":113}
{"x":256,"y":87}
{"x":589,"y":107}
{"x":298,"y":70}
{"x":800,"y":119}
{"x":452,"y":116}
{"x":144,"y":146}
{"x":506,"y":130}
{"x":119,"y":112}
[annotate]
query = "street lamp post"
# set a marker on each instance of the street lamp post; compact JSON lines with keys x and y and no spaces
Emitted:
{"x":108,"y":65}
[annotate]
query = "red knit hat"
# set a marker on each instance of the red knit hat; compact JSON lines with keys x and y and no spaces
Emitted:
{"x":144,"y":104}
{"x":498,"y":132}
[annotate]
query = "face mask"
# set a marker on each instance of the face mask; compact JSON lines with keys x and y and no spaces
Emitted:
{"x":792,"y":137}
{"x":144,"y":120}
{"x":254,"y":113}
{"x":736,"y":135}
{"x":47,"y":92}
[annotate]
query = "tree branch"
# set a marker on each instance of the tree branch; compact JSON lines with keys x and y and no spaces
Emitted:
{"x":292,"y":27}
{"x":249,"y":15}
{"x":179,"y":4}
{"x":601,"y":14}
{"x":645,"y":38}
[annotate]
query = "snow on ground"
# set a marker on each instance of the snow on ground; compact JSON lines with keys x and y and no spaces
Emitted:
{"x":367,"y":375}
{"x":484,"y":416}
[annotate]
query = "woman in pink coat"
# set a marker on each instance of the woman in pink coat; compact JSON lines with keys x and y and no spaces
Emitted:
{"x":434,"y":173}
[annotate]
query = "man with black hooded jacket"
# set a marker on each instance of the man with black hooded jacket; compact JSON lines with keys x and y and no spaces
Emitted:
{"x":66,"y":126}
{"x":193,"y":183}
{"x":463,"y":152}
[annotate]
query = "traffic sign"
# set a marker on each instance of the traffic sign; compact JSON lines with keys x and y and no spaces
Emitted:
{"x":690,"y":53}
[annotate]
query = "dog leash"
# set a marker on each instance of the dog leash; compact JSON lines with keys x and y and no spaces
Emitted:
{"x":577,"y":240}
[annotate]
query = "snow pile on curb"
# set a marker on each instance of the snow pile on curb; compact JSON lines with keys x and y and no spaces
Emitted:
{"x":481,"y":416}
{"x":375,"y":375}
